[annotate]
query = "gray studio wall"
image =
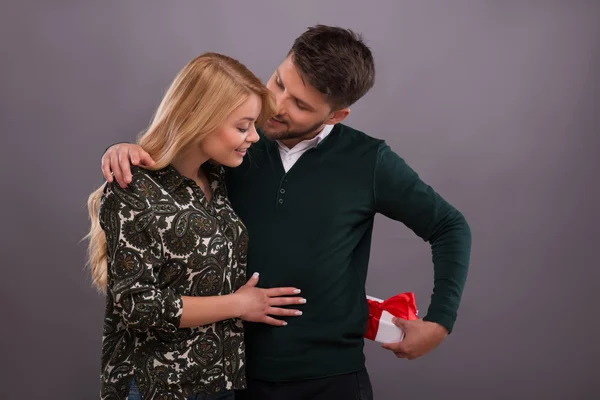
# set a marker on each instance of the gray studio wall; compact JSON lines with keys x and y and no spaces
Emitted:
{"x":494,"y":103}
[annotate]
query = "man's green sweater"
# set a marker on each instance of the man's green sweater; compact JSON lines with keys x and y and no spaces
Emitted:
{"x":311,"y":228}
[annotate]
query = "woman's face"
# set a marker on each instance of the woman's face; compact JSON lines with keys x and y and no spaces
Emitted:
{"x":228,"y":145}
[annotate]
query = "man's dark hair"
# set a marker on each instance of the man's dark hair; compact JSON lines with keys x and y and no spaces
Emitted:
{"x":336,"y":62}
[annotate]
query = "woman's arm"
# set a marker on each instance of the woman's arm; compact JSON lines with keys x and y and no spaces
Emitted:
{"x":136,"y":289}
{"x":248,"y":303}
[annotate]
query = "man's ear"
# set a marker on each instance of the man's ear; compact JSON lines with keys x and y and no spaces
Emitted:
{"x":337,"y":116}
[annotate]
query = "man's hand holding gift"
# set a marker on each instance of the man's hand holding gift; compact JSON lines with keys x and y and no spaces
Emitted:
{"x":394,"y":323}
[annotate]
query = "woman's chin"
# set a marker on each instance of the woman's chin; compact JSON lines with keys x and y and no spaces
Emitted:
{"x":233,"y":162}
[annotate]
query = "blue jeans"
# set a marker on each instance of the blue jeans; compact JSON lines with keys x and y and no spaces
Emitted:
{"x":134,"y":394}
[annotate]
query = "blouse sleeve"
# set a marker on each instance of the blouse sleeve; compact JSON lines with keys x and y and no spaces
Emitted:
{"x":134,"y":248}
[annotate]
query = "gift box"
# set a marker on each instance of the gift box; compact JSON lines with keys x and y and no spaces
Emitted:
{"x":380,"y":327}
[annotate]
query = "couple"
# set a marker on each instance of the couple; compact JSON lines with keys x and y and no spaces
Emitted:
{"x":171,"y":235}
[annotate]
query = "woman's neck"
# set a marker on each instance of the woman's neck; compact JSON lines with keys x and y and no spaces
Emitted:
{"x":189,"y":165}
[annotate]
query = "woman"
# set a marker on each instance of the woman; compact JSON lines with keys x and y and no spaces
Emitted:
{"x":170,"y":253}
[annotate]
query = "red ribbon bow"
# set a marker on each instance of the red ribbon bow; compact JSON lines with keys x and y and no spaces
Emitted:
{"x":402,"y":305}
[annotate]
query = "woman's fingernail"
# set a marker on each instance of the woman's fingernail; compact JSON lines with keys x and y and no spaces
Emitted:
{"x":298,"y":313}
{"x":296,"y":291}
{"x":284,"y":323}
{"x":255,"y":275}
{"x":302,"y":301}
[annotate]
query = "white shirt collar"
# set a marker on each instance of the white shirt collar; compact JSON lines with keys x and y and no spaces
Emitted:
{"x":309,"y":143}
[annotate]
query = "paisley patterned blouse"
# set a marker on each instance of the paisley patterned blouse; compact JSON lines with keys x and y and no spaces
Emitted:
{"x":164,"y":241}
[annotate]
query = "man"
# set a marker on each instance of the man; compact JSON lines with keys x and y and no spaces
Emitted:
{"x":308,"y":192}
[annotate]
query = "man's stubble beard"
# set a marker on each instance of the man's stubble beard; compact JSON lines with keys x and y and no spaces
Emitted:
{"x":291,"y":134}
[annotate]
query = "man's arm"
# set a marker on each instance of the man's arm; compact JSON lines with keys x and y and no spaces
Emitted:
{"x":118,"y":158}
{"x":117,"y":161}
{"x":401,"y":195}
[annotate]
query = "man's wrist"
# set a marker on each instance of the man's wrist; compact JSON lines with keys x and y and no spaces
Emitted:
{"x":439,"y":327}
{"x":441,"y":318}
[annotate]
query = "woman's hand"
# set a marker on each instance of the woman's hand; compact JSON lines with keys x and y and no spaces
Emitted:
{"x":256,"y":304}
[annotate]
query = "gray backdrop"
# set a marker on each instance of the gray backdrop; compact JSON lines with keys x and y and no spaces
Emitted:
{"x":495,"y":103}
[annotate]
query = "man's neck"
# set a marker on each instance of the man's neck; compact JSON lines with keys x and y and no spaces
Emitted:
{"x":290,"y":143}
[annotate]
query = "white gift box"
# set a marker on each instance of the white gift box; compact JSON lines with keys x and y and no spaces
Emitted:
{"x":387,"y":331}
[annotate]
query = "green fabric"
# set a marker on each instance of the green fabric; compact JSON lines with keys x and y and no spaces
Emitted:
{"x":311,"y":228}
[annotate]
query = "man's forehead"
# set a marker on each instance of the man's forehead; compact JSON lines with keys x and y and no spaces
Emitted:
{"x":297,"y":85}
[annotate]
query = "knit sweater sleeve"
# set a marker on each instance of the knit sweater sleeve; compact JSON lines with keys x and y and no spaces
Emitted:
{"x":401,"y":195}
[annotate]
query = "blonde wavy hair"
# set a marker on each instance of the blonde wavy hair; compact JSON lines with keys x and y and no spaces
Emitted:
{"x":196,"y":104}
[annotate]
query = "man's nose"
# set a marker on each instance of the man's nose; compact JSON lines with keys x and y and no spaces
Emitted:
{"x":279,"y":103}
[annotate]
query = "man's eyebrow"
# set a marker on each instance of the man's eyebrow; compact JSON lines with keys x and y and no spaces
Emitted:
{"x":303,"y":103}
